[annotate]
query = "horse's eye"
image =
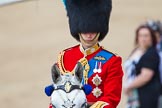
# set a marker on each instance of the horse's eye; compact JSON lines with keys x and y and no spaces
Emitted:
{"x":53,"y":106}
{"x":84,"y":105}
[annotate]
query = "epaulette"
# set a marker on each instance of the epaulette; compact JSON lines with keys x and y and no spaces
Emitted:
{"x":70,"y":48}
{"x":115,"y":54}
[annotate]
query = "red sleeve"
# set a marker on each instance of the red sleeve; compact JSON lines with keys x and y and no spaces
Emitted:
{"x":113,"y":83}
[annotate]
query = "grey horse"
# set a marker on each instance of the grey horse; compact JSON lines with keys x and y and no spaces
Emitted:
{"x":68,"y":91}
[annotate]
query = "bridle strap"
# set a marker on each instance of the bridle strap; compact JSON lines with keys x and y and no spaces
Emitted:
{"x":66,"y":99}
{"x":73,"y":87}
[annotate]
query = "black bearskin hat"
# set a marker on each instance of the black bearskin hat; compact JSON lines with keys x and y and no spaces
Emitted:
{"x":88,"y":16}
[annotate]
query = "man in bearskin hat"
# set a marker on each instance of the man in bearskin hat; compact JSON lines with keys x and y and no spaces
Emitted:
{"x":89,"y":24}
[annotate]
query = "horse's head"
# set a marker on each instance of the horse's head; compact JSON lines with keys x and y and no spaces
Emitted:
{"x":68,"y":92}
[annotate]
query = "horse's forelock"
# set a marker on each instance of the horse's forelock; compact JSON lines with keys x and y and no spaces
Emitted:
{"x":68,"y":77}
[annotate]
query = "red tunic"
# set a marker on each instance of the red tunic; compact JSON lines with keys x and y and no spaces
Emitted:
{"x":107,"y":82}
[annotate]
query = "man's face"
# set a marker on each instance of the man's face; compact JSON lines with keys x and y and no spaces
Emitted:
{"x":88,"y":39}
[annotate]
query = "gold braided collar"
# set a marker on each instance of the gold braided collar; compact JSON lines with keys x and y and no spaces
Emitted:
{"x":89,"y":50}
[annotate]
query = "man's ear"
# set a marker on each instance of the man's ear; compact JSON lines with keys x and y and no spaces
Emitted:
{"x":55,"y":73}
{"x":79,"y":71}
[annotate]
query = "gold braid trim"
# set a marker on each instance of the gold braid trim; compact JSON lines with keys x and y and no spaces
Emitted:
{"x":61,"y":64}
{"x":99,"y":104}
{"x":86,"y":66}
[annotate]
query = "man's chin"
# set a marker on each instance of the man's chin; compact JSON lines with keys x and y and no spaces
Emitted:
{"x":88,"y":41}
{"x":89,"y":44}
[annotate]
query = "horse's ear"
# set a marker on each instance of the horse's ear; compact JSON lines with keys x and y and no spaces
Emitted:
{"x":79,"y":71}
{"x":55,"y":73}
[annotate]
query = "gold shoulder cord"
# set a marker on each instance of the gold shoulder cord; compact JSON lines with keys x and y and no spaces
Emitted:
{"x":86,"y":66}
{"x":60,"y":63}
{"x":83,"y":61}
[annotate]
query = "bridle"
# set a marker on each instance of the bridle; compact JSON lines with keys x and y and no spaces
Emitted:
{"x":67,"y":88}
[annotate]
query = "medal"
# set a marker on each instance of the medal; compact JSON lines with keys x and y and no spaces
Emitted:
{"x":96,"y":80}
{"x":97,"y":92}
{"x":97,"y":68}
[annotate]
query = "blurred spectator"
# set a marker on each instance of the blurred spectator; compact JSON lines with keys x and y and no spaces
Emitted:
{"x":160,"y":98}
{"x":142,"y":70}
{"x":157,"y":27}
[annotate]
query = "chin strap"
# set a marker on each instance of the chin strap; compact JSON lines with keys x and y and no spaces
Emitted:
{"x":95,"y":39}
